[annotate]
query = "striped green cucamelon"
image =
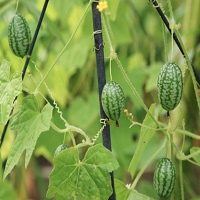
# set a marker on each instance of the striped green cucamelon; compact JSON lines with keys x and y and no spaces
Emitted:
{"x":170,"y":86}
{"x":113,"y":100}
{"x":60,"y":148}
{"x":164,"y":177}
{"x":19,"y":35}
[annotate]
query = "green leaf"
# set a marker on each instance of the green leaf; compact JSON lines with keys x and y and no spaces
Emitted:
{"x":29,"y":123}
{"x":10,"y":87}
{"x":145,"y":136}
{"x":124,"y":192}
{"x":86,"y":179}
{"x":196,"y":157}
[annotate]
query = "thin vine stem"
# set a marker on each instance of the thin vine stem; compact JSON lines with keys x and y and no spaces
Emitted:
{"x":142,"y":125}
{"x":110,"y":69}
{"x":174,"y":29}
{"x":184,"y":132}
{"x":181,"y":168}
{"x":133,"y":89}
{"x":192,"y":135}
{"x":17,"y":3}
{"x":182,"y":156}
{"x":181,"y":179}
{"x":57,"y":109}
{"x":71,"y":129}
{"x":190,"y":68}
{"x":147,"y":164}
{"x":59,"y":130}
{"x":66,"y":45}
{"x":165,"y":42}
{"x":172,"y":26}
{"x":170,"y":141}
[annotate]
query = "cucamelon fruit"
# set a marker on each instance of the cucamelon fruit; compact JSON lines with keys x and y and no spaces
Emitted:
{"x":19,"y":35}
{"x":164,"y":177}
{"x":113,"y":100}
{"x":170,"y":86}
{"x":60,"y":148}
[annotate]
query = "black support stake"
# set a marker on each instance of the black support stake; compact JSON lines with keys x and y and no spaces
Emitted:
{"x":99,"y":50}
{"x":27,"y":60}
{"x":34,"y":37}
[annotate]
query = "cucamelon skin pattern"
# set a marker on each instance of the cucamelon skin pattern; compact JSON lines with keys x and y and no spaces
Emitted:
{"x":170,"y":86}
{"x":60,"y":148}
{"x":19,"y":35}
{"x":113,"y":100}
{"x":164,"y":177}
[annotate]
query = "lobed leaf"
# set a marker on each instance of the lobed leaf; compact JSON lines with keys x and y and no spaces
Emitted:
{"x":10,"y":87}
{"x":125,"y":192}
{"x":29,"y":123}
{"x":86,"y":179}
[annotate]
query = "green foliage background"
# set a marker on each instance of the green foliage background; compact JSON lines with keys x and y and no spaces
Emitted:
{"x":138,"y":39}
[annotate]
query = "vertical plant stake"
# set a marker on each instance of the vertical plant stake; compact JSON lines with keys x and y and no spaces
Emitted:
{"x":99,"y":51}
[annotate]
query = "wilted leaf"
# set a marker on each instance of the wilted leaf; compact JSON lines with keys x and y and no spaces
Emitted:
{"x":10,"y":87}
{"x":29,"y":123}
{"x":86,"y":179}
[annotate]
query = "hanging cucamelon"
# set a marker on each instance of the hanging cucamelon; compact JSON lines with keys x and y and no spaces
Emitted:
{"x":113,"y":100}
{"x":19,"y":35}
{"x":164,"y":177}
{"x":170,"y":86}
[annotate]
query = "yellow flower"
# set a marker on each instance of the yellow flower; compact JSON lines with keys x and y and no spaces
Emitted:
{"x":102,"y":5}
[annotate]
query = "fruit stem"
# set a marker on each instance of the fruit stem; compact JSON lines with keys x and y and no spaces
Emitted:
{"x":17,"y":3}
{"x":181,"y":179}
{"x":192,"y":135}
{"x":71,"y":129}
{"x":171,"y":26}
